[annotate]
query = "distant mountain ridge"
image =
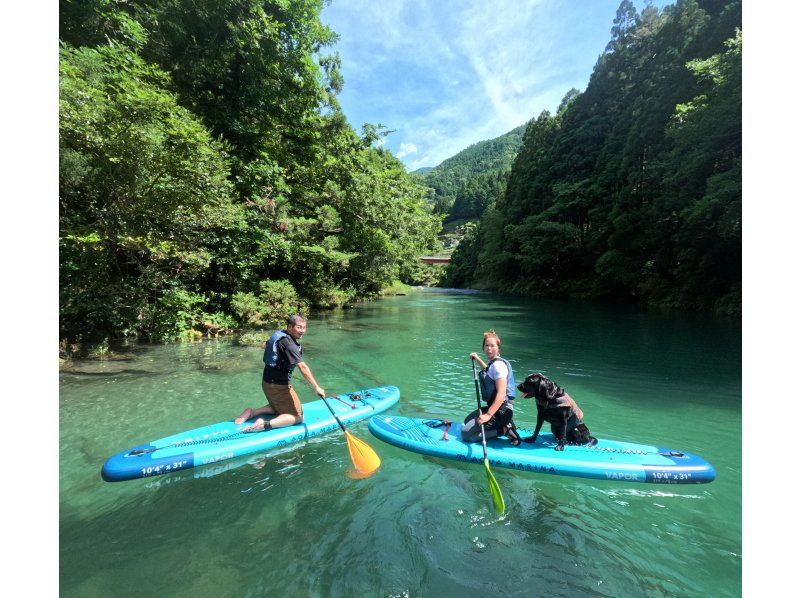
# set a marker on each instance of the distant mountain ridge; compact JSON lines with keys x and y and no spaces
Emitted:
{"x":422,"y":170}
{"x":486,"y":155}
{"x":477,"y":169}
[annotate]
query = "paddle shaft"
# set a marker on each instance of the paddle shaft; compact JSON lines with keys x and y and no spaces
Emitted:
{"x":478,"y":397}
{"x":336,"y":417}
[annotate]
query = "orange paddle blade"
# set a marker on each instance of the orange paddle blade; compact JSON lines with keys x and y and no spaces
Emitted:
{"x":365,"y":460}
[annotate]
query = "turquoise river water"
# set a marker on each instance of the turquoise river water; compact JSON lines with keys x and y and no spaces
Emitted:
{"x":292,"y":523}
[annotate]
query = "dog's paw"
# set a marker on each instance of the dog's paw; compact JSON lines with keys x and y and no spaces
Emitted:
{"x":560,"y":447}
{"x":529,"y":439}
{"x":592,"y":442}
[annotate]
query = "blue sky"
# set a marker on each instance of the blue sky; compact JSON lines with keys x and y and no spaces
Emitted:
{"x":444,"y":74}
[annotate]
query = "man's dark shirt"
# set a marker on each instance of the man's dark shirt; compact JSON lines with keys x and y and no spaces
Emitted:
{"x":288,"y":357}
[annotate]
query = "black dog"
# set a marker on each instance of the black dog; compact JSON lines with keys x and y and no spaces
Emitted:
{"x":557,"y":407}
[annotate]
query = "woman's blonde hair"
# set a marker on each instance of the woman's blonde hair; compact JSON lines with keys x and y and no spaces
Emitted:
{"x":491,"y":334}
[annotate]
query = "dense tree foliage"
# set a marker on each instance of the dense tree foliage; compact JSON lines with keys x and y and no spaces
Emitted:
{"x":632,"y":190}
{"x":466,"y":183}
{"x":208,"y":178}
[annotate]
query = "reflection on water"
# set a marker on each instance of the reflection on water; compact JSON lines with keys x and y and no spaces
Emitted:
{"x":292,"y":522}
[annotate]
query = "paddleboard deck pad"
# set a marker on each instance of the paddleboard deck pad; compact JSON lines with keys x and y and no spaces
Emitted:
{"x":226,"y":440}
{"x":606,"y":460}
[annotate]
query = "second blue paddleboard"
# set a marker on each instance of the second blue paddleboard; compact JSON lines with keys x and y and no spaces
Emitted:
{"x":607,"y":460}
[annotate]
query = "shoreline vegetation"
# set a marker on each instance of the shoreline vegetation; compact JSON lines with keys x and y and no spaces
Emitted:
{"x":210,"y":184}
{"x":122,"y":348}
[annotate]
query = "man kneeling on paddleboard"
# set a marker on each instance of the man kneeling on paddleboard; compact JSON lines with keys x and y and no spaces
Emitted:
{"x":282,"y":353}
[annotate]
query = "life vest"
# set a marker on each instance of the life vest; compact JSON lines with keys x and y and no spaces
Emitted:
{"x":564,"y":400}
{"x":549,"y":394}
{"x":489,"y":388}
{"x":271,"y":351}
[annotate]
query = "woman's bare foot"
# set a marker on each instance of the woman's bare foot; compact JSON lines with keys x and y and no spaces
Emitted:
{"x":246,"y":414}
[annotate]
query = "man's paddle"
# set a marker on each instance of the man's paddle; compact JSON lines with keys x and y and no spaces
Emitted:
{"x":364,"y":459}
{"x":494,"y":488}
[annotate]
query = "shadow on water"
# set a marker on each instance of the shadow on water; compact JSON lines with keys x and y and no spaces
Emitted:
{"x":226,"y":365}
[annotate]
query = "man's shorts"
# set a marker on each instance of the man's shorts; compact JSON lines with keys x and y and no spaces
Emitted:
{"x":282,"y":398}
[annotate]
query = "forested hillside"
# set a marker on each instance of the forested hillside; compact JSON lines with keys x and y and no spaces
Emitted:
{"x":632,"y":190}
{"x":208,"y":177}
{"x":466,"y":183}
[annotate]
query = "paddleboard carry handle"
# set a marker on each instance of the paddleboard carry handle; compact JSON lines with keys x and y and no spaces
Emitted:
{"x":672,"y":454}
{"x":140,"y":452}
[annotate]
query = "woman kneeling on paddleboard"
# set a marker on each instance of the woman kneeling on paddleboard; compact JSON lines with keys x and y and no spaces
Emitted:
{"x":498,"y":391}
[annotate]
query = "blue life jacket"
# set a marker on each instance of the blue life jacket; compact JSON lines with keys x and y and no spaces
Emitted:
{"x":271,"y":351}
{"x":488,"y":387}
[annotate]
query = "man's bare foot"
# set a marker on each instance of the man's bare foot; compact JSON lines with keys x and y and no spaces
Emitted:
{"x":257,"y":426}
{"x":246,"y":414}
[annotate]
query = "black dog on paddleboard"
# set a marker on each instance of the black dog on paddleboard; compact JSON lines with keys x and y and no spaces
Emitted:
{"x":557,"y":407}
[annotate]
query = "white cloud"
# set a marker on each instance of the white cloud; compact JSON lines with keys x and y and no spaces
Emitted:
{"x":406,"y":149}
{"x":481,"y":57}
{"x":444,"y":75}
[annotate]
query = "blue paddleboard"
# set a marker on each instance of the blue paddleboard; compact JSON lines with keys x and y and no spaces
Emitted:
{"x":607,"y":460}
{"x":225,"y":440}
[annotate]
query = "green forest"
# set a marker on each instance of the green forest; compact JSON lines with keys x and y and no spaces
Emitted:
{"x":631,"y":191}
{"x":210,"y":182}
{"x":208,"y":179}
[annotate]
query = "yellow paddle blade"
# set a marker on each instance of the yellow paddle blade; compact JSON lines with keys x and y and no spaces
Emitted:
{"x":365,"y":460}
{"x":494,"y":488}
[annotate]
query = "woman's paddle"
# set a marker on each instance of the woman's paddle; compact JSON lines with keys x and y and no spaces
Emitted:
{"x":494,"y":488}
{"x":364,"y":459}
